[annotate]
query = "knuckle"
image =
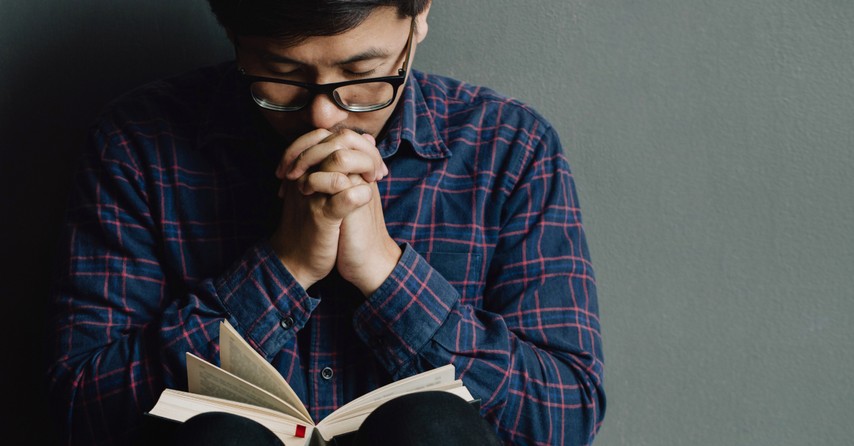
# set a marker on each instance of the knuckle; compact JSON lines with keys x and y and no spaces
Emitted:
{"x":324,"y":135}
{"x":301,"y":156}
{"x":306,"y":181}
{"x":357,"y":141}
{"x":349,"y":139}
{"x":348,"y":133}
{"x":349,"y":198}
{"x":298,"y":161}
{"x":340,"y":143}
{"x":339,"y":157}
{"x":338,"y":182}
{"x":317,"y":210}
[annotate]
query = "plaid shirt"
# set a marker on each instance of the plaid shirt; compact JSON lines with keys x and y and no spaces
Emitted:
{"x":167,"y":234}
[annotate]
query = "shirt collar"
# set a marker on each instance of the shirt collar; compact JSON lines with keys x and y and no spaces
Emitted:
{"x":233,"y":115}
{"x":414,"y":125}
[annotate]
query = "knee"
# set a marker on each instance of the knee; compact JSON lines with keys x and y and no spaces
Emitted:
{"x":223,"y":429}
{"x":426,"y":418}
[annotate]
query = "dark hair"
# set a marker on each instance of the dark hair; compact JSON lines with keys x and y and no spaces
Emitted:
{"x":294,"y":20}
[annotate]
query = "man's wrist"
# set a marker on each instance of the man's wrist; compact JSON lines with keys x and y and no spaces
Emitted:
{"x":299,"y":274}
{"x":381,"y":270}
{"x":304,"y":281}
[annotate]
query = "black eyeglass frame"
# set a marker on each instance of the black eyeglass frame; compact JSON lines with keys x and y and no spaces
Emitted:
{"x":329,"y":89}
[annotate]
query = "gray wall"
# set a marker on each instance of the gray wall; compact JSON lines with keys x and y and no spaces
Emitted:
{"x":712,"y":146}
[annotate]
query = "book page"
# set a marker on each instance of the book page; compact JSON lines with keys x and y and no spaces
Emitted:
{"x":422,"y":381}
{"x":205,"y":378}
{"x":181,"y":406}
{"x":353,"y":419}
{"x":238,"y":357}
{"x":367,"y":408}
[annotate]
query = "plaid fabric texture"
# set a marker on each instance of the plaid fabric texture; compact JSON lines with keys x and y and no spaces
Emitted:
{"x":167,"y":233}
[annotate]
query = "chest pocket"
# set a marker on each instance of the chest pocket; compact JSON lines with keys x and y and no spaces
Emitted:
{"x":460,"y":269}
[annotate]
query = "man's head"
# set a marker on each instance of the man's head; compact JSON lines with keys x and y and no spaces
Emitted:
{"x":293,"y":20}
{"x":323,"y":42}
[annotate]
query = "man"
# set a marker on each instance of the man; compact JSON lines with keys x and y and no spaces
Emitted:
{"x":356,"y":221}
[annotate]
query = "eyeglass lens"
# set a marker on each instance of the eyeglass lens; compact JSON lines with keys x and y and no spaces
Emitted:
{"x":354,"y":97}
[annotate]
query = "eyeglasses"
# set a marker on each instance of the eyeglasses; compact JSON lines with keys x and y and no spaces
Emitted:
{"x":359,"y":95}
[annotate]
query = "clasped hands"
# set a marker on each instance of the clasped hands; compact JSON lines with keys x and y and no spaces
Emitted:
{"x":332,"y":213}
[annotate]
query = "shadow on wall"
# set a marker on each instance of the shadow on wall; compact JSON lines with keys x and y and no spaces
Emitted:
{"x":55,"y":83}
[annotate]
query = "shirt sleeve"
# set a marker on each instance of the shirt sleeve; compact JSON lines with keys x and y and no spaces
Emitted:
{"x":532,"y":351}
{"x":122,"y":322}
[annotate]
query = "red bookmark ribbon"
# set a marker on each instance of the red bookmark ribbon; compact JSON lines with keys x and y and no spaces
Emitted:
{"x":300,"y":432}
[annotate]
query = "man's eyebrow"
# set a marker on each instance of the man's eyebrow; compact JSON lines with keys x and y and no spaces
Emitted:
{"x":270,"y":56}
{"x":370,"y":53}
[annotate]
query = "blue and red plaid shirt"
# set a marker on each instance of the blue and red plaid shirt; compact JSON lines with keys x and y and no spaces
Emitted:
{"x":167,"y":234}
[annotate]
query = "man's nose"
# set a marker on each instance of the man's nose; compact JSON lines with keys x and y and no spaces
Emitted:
{"x":323,"y":113}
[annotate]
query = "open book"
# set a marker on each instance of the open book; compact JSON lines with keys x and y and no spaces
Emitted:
{"x":249,"y":386}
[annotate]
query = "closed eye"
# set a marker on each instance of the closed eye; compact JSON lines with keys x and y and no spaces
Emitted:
{"x":292,"y":74}
{"x":366,"y":73}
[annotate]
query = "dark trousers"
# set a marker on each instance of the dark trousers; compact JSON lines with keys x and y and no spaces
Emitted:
{"x":424,"y":418}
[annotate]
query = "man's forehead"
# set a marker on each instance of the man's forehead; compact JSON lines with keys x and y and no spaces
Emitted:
{"x":378,"y":36}
{"x":331,"y":54}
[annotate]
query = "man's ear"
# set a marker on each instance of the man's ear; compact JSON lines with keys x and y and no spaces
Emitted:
{"x":421,"y":27}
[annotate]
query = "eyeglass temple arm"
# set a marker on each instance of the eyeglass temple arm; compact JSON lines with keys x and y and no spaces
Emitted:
{"x":403,"y":70}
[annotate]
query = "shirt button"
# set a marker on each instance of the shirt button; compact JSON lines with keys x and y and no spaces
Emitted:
{"x":326,"y":373}
{"x":287,"y":323}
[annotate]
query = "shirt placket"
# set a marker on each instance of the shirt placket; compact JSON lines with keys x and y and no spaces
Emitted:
{"x":325,"y":363}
